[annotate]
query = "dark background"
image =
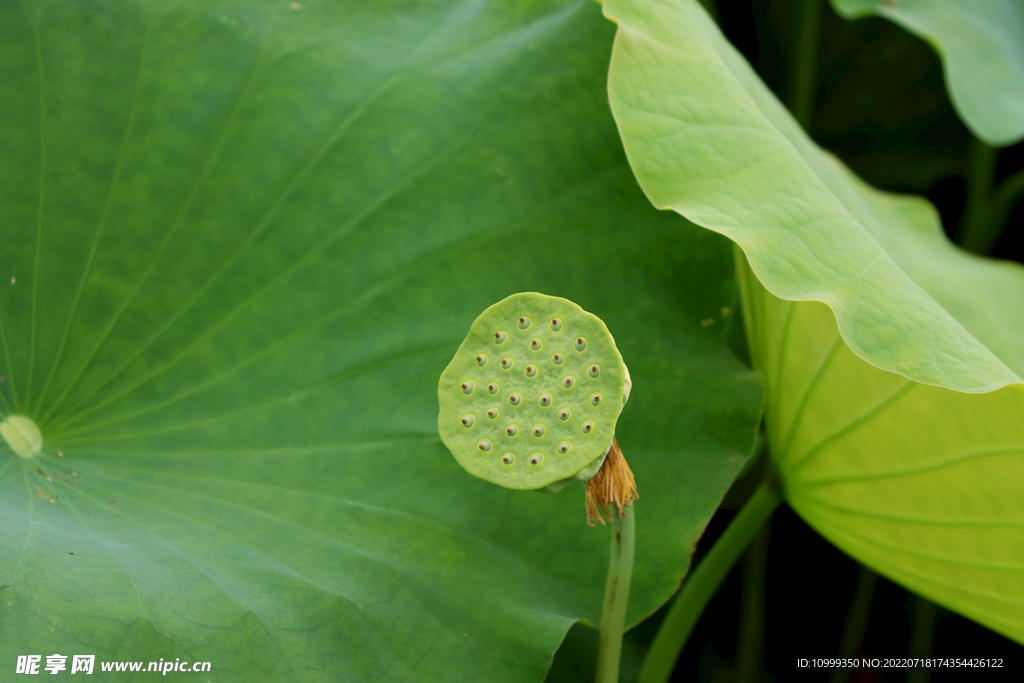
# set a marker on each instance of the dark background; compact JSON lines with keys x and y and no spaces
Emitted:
{"x":882,"y":107}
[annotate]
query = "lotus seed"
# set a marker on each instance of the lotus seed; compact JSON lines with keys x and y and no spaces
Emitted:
{"x":467,"y":421}
{"x":545,"y":400}
{"x":511,"y":430}
{"x":594,"y":371}
{"x":535,"y":345}
{"x":588,"y":426}
{"x":595,"y":400}
{"x":492,"y":413}
{"x":500,"y":337}
{"x":580,"y":344}
{"x":557,"y":359}
{"x":508,"y":458}
{"x":524,"y":323}
{"x":492,"y":388}
{"x":556,"y":325}
{"x":564,"y":414}
{"x":564,"y":447}
{"x":484,"y":445}
{"x":536,"y":458}
{"x":481,"y":360}
{"x":467,"y":387}
{"x":515,"y":399}
{"x":568,"y":382}
{"x":506,"y":363}
{"x":538,"y":430}
{"x":531,"y":371}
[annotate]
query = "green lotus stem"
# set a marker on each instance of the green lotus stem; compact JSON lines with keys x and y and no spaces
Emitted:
{"x":856,"y":621}
{"x":703,"y":581}
{"x":805,"y":65}
{"x":749,"y":649}
{"x":976,"y":229}
{"x":711,"y":7}
{"x":616,"y":595}
{"x":921,"y":633}
{"x":1007,"y":196}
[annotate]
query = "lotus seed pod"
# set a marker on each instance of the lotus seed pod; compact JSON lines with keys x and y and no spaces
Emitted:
{"x":551,"y":396}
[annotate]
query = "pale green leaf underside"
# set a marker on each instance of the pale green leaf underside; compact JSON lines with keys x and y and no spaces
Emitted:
{"x":919,"y":482}
{"x":241,"y":243}
{"x":706,"y":138}
{"x":981,"y":43}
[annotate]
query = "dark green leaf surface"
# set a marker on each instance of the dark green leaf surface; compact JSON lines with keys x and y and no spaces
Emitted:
{"x":982,"y":47}
{"x":894,"y":413}
{"x":241,"y":242}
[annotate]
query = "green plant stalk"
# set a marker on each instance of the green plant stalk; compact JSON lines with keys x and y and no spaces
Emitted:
{"x":803,"y":86}
{"x":749,"y":649}
{"x":922,"y":631}
{"x":702,"y":583}
{"x":856,"y":621}
{"x":616,"y":596}
{"x":711,"y":7}
{"x":978,"y":230}
{"x":1007,"y":195}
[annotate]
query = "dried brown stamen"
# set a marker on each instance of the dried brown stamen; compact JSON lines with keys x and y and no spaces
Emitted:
{"x":613,"y":483}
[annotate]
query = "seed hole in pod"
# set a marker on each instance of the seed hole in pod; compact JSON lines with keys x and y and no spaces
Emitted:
{"x":564,"y":447}
{"x":492,"y":413}
{"x":467,"y":387}
{"x":536,"y":458}
{"x":535,"y":344}
{"x":594,"y":371}
{"x":508,"y":458}
{"x":500,"y":337}
{"x":556,"y":325}
{"x":492,"y":388}
{"x":557,"y":359}
{"x":467,"y":421}
{"x":564,"y":414}
{"x":511,"y":430}
{"x":538,"y":430}
{"x":587,"y":427}
{"x":595,"y":400}
{"x":515,"y":399}
{"x":506,"y":363}
{"x":531,"y":370}
{"x":484,"y":445}
{"x":481,"y":360}
{"x":524,"y":323}
{"x":579,"y":344}
{"x":568,"y":382}
{"x":545,"y":400}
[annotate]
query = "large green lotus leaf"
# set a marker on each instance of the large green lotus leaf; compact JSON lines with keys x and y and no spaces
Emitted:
{"x":241,"y":241}
{"x":982,"y":45}
{"x":918,"y":480}
{"x":706,"y":138}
